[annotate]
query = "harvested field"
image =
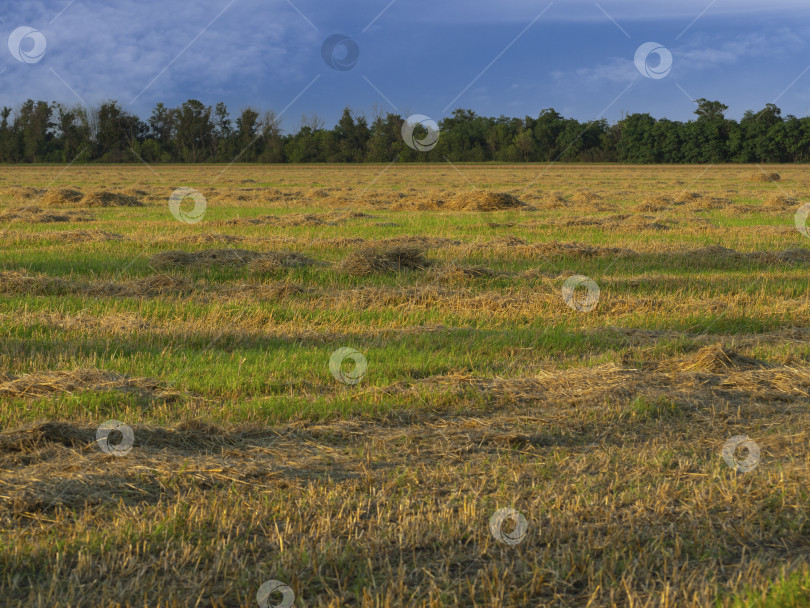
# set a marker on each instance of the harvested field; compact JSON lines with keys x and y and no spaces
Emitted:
{"x":339,"y":378}
{"x":765,"y":176}
{"x":394,"y":259}
{"x":105,"y":198}
{"x":43,"y":384}
{"x":68,"y":197}
{"x":61,"y":197}
{"x":476,"y":200}
{"x":483,"y":201}
{"x":33,"y":214}
{"x":207,"y":258}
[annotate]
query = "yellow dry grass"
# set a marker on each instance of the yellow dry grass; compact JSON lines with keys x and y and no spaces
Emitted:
{"x":484,"y":389}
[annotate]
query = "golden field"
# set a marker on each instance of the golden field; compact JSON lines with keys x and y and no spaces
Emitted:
{"x":484,"y":388}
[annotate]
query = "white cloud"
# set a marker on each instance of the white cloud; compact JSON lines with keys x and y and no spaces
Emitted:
{"x":113,"y":51}
{"x":697,"y":55}
{"x":586,"y":10}
{"x":615,"y":70}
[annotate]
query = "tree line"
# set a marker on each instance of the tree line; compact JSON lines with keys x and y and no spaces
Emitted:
{"x":42,"y":132}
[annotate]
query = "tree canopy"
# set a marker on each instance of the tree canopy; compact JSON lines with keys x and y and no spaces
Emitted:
{"x":39,"y":131}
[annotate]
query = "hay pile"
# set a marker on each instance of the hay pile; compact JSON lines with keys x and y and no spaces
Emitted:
{"x":345,"y":216}
{"x":639,"y":222}
{"x":765,"y":177}
{"x":419,"y":241}
{"x":479,"y":200}
{"x":61,"y":197}
{"x":37,"y":215}
{"x":553,"y":200}
{"x":229,"y":257}
{"x":274,"y":261}
{"x":43,"y":384}
{"x":105,"y":198}
{"x":455,"y":273}
{"x":780,"y":202}
{"x":155,"y":285}
{"x":713,"y":253}
{"x":21,"y":192}
{"x":23,"y":283}
{"x":134,"y":192}
{"x":708,"y":203}
{"x":433,"y":201}
{"x":15,"y":282}
{"x":794,"y":255}
{"x":583,"y":196}
{"x":474,"y":200}
{"x":578,"y":250}
{"x":686,"y":197}
{"x":654,"y":204}
{"x":718,"y":359}
{"x":207,"y":257}
{"x":507,"y":241}
{"x":68,"y":197}
{"x":207,"y":238}
{"x":344,"y":241}
{"x":276,"y":290}
{"x":275,"y":220}
{"x":80,"y":236}
{"x":379,"y":260}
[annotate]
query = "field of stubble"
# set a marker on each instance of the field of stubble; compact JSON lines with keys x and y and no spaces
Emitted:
{"x":484,"y":389}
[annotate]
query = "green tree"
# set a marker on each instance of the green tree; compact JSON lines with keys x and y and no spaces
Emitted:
{"x":33,"y":123}
{"x":73,"y":132}
{"x":195,"y":131}
{"x":117,"y":132}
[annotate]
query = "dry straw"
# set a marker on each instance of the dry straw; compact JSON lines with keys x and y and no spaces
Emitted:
{"x":379,"y":260}
{"x":67,"y":197}
{"x":33,"y":214}
{"x":765,"y":177}
{"x":41,"y":384}
{"x":474,"y":200}
{"x":229,"y":257}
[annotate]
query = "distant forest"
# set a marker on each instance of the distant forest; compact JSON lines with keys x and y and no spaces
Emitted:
{"x":42,"y":132}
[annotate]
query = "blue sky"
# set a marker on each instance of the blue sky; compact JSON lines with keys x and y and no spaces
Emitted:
{"x":416,"y":56}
